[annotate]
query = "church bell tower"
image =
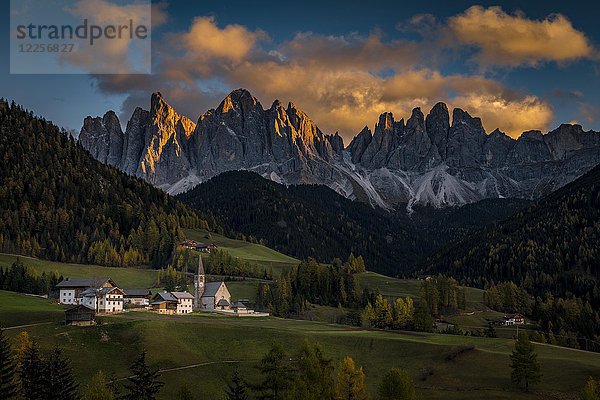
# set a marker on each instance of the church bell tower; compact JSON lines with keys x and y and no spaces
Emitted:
{"x":199,"y":284}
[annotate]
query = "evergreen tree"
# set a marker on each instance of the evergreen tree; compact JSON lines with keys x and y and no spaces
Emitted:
{"x":524,"y":363}
{"x":236,"y":389}
{"x":397,"y":385}
{"x":423,"y":318}
{"x":350,"y":383}
{"x":98,"y":389}
{"x":591,"y":391}
{"x":276,"y":372}
{"x":31,"y":372}
{"x":144,"y":384}
{"x":313,"y":377}
{"x":7,"y":369}
{"x":59,"y":383}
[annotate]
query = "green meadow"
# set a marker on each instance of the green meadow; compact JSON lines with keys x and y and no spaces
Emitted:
{"x":201,"y":350}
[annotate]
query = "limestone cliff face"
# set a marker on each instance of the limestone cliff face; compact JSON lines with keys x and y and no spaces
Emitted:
{"x":428,"y":160}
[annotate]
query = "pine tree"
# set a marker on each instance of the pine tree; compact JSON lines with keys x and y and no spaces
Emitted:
{"x":350,"y":383}
{"x":7,"y":369}
{"x":276,"y":373}
{"x":144,"y":384}
{"x":397,"y":385}
{"x":58,"y":379}
{"x":30,"y":372}
{"x":98,"y":389}
{"x":236,"y":389}
{"x":524,"y":363}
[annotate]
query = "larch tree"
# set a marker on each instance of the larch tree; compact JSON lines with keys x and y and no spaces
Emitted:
{"x":350,"y":384}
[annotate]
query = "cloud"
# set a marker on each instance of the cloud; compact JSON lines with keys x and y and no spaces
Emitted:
{"x":342,"y":82}
{"x":513,"y":40}
{"x":206,"y":39}
{"x":116,"y":55}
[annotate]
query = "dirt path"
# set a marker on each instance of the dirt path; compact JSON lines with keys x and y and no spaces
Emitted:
{"x":161,"y":371}
{"x":28,"y":325}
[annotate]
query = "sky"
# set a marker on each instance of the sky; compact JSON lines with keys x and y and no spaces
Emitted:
{"x":517,"y":65}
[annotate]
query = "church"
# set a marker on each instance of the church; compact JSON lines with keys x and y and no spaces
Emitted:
{"x":211,"y":296}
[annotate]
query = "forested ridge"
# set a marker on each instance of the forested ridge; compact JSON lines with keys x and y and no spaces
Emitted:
{"x":550,"y":250}
{"x":60,"y":204}
{"x":314,"y":221}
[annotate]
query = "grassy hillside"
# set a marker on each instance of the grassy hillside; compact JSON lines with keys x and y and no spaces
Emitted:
{"x":251,"y":252}
{"x":21,"y":309}
{"x":211,"y":346}
{"x":127,"y":278}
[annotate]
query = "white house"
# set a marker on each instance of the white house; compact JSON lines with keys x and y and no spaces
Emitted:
{"x":104,"y":299}
{"x":137,"y":297}
{"x":172,"y":302}
{"x":71,"y":289}
{"x":514,"y":319}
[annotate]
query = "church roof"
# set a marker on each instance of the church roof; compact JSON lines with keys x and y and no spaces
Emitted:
{"x":211,"y":289}
{"x":223,"y":303}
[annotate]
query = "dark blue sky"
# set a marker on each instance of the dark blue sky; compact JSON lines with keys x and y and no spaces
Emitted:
{"x":569,"y":90}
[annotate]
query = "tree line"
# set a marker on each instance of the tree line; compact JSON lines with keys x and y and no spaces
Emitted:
{"x":20,"y":278}
{"x":337,"y":284}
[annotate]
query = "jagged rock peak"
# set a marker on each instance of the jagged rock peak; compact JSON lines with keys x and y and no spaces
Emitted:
{"x":386,"y":122}
{"x":239,"y":99}
{"x":461,"y":116}
{"x":416,"y":120}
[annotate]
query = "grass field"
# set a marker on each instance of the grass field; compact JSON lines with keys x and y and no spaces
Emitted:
{"x":254,"y":253}
{"x":127,"y":278}
{"x":214,"y":344}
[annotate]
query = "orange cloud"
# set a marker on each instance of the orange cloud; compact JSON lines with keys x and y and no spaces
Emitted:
{"x":513,"y":40}
{"x":337,"y":80}
{"x":232,"y":42}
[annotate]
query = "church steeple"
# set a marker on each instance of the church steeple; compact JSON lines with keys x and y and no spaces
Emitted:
{"x":199,"y":279}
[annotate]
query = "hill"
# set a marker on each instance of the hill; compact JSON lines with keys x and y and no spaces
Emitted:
{"x":314,"y":221}
{"x":304,"y":220}
{"x":549,"y":247}
{"x":61,"y":204}
{"x":203,"y":351}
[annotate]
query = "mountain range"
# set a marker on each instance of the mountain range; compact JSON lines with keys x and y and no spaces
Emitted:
{"x":426,"y":160}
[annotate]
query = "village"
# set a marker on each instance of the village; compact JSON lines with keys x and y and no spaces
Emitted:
{"x":97,"y":296}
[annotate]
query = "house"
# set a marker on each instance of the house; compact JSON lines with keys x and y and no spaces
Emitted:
{"x":514,"y":319}
{"x":71,"y":289}
{"x":216,"y":296}
{"x":103,"y":299}
{"x":201,"y":247}
{"x":80,"y":315}
{"x":240,"y":308}
{"x":172,"y":303}
{"x":137,"y":297}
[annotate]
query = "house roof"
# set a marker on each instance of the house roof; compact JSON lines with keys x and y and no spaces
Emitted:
{"x":164,"y":296}
{"x":211,"y":289}
{"x":182,"y":295}
{"x":99,"y":292}
{"x":239,"y":304}
{"x":83,"y":282}
{"x":77,"y":307}
{"x":137,"y":292}
{"x":222,"y":303}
